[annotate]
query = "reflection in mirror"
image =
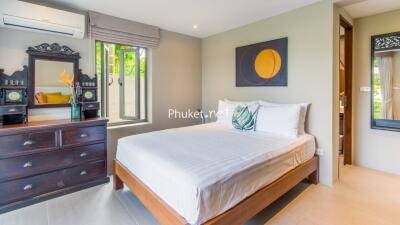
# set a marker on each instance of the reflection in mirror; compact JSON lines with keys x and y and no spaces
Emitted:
{"x":386,"y":81}
{"x":386,"y":85}
{"x":48,"y":88}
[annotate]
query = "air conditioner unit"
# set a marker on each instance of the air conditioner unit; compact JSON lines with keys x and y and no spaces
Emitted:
{"x":31,"y":17}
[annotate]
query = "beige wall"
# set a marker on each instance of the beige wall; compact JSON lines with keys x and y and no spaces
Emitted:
{"x":376,"y":149}
{"x":310,"y":34}
{"x":174,"y":79}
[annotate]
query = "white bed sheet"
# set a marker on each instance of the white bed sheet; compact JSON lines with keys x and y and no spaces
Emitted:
{"x":202,"y":171}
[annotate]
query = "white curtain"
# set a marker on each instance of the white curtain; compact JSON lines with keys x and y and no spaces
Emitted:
{"x":385,"y":64}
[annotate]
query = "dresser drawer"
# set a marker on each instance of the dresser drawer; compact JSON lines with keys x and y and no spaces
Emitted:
{"x":20,"y":144}
{"x":33,"y":186}
{"x":83,"y":135}
{"x":90,"y":105}
{"x":9,"y":109}
{"x":24,"y":166}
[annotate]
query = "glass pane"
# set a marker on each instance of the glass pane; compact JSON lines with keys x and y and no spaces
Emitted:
{"x":130,"y":84}
{"x":98,"y":62}
{"x":142,"y":53}
{"x":377,"y":90}
{"x":48,"y":88}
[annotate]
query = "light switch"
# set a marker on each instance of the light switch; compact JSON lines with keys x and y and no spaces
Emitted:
{"x":365,"y":89}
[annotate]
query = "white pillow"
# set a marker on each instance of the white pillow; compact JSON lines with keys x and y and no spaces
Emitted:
{"x":241,"y":102}
{"x":303,"y":113}
{"x":225,"y":113}
{"x":281,"y":120}
{"x":226,"y":109}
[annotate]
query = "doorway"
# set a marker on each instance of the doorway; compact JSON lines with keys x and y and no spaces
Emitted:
{"x":345,"y":90}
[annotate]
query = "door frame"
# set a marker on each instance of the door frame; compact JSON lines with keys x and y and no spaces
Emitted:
{"x":348,"y":111}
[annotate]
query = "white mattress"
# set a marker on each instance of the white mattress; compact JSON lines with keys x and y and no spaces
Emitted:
{"x":202,"y":171}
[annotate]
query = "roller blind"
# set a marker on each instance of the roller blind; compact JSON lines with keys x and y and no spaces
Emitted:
{"x":116,"y":30}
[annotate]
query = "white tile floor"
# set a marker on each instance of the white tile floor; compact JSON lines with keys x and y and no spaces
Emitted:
{"x":362,"y":197}
{"x":102,"y":205}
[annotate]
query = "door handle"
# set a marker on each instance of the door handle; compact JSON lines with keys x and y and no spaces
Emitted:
{"x":110,"y":81}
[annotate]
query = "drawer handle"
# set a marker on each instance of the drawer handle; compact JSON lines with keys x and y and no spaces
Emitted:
{"x":90,"y":106}
{"x":28,"y":187}
{"x":28,"y":164}
{"x":83,"y":154}
{"x":29,"y":142}
{"x":83,"y":135}
{"x":12,"y":110}
{"x":83,"y":173}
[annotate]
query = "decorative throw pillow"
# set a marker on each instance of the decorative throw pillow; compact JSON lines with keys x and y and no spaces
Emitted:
{"x":40,"y":98}
{"x":244,"y":118}
{"x":58,"y":99}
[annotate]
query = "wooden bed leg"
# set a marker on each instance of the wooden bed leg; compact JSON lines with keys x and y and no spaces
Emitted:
{"x":118,"y":184}
{"x":313,"y":178}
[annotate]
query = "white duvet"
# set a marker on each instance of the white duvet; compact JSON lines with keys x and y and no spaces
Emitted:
{"x":202,"y":171}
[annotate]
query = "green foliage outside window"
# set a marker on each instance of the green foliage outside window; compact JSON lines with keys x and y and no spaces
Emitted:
{"x":376,"y":88}
{"x":377,"y":96}
{"x":129,"y":58}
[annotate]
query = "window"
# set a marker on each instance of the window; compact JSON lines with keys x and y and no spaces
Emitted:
{"x":122,"y":72}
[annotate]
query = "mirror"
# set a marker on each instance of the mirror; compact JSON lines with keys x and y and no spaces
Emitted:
{"x":385,"y":82}
{"x":47,"y":65}
{"x":48,"y":88}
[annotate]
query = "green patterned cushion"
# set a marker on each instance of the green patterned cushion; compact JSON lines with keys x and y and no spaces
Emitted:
{"x":243,"y":118}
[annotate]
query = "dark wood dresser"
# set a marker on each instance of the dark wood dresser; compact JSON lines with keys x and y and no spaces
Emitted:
{"x":42,"y":160}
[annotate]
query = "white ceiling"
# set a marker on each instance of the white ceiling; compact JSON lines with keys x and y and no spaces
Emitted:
{"x":362,"y":8}
{"x":211,"y":16}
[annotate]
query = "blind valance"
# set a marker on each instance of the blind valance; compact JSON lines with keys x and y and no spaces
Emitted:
{"x":116,"y":30}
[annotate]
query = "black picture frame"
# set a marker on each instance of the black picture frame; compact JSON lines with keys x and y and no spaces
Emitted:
{"x":21,"y":92}
{"x":94,"y":96}
{"x":246,"y":56}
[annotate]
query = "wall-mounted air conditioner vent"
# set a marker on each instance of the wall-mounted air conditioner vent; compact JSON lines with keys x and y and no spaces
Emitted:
{"x":14,"y":14}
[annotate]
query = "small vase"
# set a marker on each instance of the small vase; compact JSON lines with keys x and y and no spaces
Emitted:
{"x":75,"y":111}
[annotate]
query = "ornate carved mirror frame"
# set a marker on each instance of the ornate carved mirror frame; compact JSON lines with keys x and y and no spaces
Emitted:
{"x":52,"y":52}
{"x":383,"y":43}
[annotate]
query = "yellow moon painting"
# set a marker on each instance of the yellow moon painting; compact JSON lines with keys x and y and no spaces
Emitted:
{"x":268,"y":63}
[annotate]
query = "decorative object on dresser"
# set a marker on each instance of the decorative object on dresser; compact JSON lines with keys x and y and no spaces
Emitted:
{"x":13,"y":97}
{"x":43,"y":160}
{"x":89,"y":104}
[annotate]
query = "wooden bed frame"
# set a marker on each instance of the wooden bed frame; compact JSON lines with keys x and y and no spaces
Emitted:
{"x":237,"y":215}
